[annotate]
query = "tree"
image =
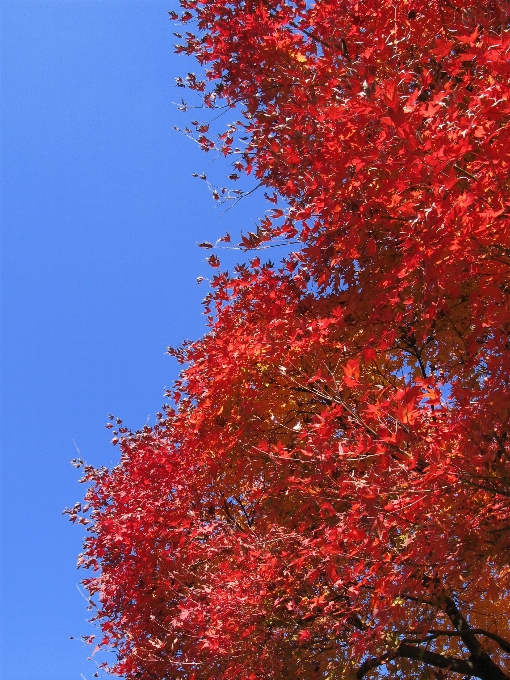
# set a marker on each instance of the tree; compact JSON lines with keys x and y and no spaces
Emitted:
{"x":329,"y":493}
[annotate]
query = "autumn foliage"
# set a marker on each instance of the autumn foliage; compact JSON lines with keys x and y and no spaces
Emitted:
{"x":327,"y":493}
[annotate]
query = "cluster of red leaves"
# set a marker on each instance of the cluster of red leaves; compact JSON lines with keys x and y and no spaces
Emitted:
{"x":332,"y":485}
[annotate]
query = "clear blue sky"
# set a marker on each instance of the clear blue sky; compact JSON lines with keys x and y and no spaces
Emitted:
{"x":100,"y":216}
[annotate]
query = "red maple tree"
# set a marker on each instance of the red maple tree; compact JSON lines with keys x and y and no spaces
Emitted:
{"x":328,"y":495}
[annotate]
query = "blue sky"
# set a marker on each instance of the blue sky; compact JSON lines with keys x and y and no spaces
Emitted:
{"x":100,"y":219}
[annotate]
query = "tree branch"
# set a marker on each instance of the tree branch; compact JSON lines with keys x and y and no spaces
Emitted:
{"x":499,"y":492}
{"x":438,"y":660}
{"x":374,"y":662}
{"x":432,"y":634}
{"x":466,"y":667}
{"x":461,"y":625}
{"x":487,"y":668}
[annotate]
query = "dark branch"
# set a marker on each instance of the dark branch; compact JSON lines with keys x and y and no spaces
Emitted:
{"x":467,"y":668}
{"x":374,"y":662}
{"x":461,"y":625}
{"x":480,"y":659}
{"x":432,"y":634}
{"x":421,"y":600}
{"x":438,"y":660}
{"x":498,"y":492}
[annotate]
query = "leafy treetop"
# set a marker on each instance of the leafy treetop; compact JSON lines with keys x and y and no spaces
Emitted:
{"x":327,"y":492}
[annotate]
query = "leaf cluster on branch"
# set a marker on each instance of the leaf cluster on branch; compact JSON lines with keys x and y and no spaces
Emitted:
{"x":327,"y":492}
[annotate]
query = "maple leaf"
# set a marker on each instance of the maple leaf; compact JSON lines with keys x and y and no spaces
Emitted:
{"x":328,"y":489}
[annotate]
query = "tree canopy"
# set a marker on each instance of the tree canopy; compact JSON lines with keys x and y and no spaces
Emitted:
{"x":327,"y":492}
